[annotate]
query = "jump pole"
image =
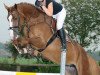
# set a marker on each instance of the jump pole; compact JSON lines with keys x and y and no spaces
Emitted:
{"x":63,"y":60}
{"x":24,"y":73}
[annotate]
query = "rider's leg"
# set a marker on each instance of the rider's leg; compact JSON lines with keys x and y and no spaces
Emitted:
{"x":61,"y":34}
{"x":60,"y":20}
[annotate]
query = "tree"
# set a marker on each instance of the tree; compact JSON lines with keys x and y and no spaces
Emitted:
{"x":83,"y":20}
{"x":9,"y":46}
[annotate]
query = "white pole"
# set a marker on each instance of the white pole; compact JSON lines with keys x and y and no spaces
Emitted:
{"x":63,"y":60}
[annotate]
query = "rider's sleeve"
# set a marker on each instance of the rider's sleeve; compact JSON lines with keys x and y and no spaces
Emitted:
{"x":48,"y":2}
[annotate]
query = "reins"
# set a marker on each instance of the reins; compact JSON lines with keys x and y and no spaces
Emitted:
{"x":25,"y":24}
{"x":48,"y":42}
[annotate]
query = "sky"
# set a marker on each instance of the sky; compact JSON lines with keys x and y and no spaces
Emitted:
{"x":4,"y":25}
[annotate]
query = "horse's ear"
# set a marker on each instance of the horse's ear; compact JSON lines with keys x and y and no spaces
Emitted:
{"x":6,"y":7}
{"x":15,"y":6}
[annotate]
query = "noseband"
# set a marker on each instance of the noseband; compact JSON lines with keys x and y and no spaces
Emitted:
{"x":20,"y":32}
{"x":17,"y":29}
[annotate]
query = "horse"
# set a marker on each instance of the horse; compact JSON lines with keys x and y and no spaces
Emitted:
{"x":35,"y":29}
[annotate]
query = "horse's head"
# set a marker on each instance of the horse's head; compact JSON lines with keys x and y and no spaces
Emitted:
{"x":17,"y":17}
{"x":13,"y":18}
{"x":25,"y":22}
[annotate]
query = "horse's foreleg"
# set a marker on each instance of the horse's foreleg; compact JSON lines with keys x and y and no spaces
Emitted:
{"x":71,"y":70}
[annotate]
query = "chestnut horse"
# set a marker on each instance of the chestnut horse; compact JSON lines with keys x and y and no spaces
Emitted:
{"x":34,"y":28}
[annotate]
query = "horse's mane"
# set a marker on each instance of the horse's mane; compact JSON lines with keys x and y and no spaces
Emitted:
{"x":23,"y":4}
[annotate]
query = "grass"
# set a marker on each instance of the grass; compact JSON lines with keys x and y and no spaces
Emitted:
{"x":27,"y":65}
{"x":6,"y":60}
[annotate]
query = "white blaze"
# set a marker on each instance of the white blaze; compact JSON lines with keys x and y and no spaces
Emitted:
{"x":11,"y":25}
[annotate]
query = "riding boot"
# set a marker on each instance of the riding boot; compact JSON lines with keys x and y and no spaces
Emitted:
{"x":61,"y":34}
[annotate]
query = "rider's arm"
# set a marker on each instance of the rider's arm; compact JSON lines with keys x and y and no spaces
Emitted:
{"x":49,"y":10}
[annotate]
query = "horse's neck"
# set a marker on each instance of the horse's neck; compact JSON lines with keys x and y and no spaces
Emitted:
{"x":31,"y":12}
{"x":28,"y":11}
{"x":39,"y":14}
{"x":41,"y":30}
{"x":38,"y":21}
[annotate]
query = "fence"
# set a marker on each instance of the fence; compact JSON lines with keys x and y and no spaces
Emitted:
{"x":19,"y":66}
{"x":25,"y":73}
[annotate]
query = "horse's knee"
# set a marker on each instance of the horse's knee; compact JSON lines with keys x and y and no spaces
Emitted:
{"x":71,"y":70}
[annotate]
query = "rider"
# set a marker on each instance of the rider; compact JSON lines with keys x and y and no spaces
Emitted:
{"x":52,"y":8}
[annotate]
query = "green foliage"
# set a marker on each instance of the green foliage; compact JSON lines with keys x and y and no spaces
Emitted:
{"x":6,"y":60}
{"x":25,"y":61}
{"x":7,"y":64}
{"x":48,"y":69}
{"x":83,"y":17}
{"x":10,"y":47}
{"x":20,"y":61}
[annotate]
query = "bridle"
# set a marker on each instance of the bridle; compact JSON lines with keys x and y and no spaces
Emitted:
{"x":20,"y":32}
{"x":19,"y":28}
{"x":15,"y":28}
